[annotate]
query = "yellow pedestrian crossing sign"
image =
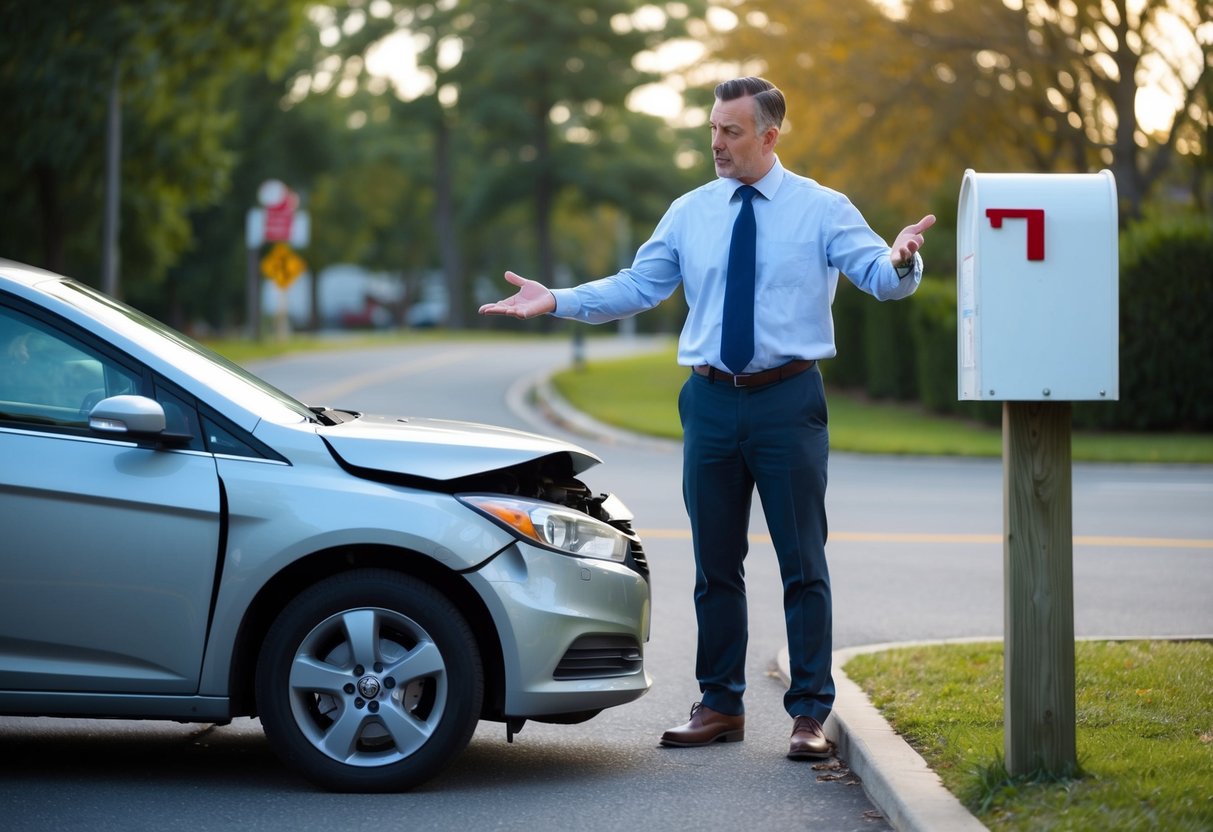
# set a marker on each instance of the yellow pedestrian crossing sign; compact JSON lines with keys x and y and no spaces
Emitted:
{"x":282,"y":265}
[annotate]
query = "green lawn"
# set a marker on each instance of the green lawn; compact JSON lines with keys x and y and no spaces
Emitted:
{"x":644,"y":392}
{"x":1144,"y":723}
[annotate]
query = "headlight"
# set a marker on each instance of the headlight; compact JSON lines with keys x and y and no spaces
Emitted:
{"x":553,"y":526}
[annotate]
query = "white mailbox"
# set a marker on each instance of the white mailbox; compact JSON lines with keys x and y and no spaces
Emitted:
{"x":1037,"y":287}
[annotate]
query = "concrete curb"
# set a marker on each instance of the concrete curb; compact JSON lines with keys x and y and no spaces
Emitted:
{"x":895,"y":777}
{"x":534,"y":399}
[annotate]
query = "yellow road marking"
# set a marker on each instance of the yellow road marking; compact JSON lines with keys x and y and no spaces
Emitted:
{"x":1105,"y":541}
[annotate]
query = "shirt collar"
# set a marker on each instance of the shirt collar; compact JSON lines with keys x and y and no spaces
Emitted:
{"x":767,"y":185}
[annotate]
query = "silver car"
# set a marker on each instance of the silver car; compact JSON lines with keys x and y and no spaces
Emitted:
{"x":179,"y":540}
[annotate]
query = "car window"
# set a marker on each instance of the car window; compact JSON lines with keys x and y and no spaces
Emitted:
{"x":50,"y":378}
{"x":227,"y":440}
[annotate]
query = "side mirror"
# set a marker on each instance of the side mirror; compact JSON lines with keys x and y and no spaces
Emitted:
{"x":137,"y":415}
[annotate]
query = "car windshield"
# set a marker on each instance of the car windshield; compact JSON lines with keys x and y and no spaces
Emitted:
{"x":227,"y":377}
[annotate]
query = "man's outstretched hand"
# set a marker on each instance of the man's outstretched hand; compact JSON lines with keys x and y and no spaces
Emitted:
{"x":909,"y":241}
{"x":531,"y":300}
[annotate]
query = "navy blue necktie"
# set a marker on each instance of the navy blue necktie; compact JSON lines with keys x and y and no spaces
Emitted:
{"x":737,"y":330}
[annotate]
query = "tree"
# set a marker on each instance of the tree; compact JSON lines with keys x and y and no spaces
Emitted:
{"x":934,"y":86}
{"x":173,"y":60}
{"x":524,"y":97}
{"x":297,"y":145}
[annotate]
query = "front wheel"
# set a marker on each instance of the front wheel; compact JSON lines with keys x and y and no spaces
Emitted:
{"x":369,"y":681}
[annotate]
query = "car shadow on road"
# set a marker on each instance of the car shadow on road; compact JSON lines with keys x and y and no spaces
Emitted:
{"x":101,"y":755}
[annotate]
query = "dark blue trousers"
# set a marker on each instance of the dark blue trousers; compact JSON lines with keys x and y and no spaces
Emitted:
{"x":776,"y":438}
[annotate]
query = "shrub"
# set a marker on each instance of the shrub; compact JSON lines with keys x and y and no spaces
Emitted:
{"x":933,"y":326}
{"x":1166,"y":311}
{"x":846,"y":370}
{"x":887,"y":351}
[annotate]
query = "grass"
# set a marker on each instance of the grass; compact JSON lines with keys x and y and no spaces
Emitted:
{"x":1144,"y":720}
{"x":644,"y":392}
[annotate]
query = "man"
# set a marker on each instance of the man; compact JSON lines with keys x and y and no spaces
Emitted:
{"x":759,"y":266}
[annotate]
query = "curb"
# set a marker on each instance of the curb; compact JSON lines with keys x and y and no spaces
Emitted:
{"x":895,"y":777}
{"x":536,"y":400}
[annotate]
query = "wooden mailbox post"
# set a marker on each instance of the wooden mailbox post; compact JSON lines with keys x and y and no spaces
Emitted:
{"x":1037,"y":328}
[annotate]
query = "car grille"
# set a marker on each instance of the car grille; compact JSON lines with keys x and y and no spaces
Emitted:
{"x":636,"y":557}
{"x":600,"y":657}
{"x":639,"y":562}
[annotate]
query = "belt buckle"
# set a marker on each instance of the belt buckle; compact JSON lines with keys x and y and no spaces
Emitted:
{"x":737,"y":379}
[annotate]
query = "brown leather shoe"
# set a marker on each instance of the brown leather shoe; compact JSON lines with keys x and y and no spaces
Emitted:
{"x":706,"y":727}
{"x":808,"y":740}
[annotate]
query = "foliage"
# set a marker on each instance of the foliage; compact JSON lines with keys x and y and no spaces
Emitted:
{"x":1033,"y":85}
{"x":1143,"y":712}
{"x":526,"y":106}
{"x":933,"y":322}
{"x":888,"y":351}
{"x":848,"y":368}
{"x":1166,"y":306}
{"x":171,"y":62}
{"x":299,"y":146}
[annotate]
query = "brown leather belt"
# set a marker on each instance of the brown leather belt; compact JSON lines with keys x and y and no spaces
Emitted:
{"x":770,"y":376}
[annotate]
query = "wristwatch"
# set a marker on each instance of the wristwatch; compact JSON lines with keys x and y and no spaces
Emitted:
{"x":907,"y":268}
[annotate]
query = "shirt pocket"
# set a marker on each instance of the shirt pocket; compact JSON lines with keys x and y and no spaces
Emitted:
{"x":787,"y":262}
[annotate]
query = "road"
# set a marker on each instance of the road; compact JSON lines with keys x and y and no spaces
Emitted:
{"x":915,"y":553}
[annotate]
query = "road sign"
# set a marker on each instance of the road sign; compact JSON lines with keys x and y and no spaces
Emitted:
{"x":282,"y":265}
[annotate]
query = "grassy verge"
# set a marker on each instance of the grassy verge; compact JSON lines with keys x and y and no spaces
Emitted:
{"x":1144,"y":733}
{"x":643,"y":393}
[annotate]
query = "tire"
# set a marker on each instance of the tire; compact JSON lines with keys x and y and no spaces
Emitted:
{"x":369,"y":681}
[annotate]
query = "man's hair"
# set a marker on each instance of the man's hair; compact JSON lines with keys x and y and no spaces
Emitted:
{"x":769,"y":106}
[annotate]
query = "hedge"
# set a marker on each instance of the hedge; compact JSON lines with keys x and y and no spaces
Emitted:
{"x":907,"y":349}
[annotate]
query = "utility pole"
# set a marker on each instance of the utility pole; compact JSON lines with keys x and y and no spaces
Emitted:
{"x":113,"y":171}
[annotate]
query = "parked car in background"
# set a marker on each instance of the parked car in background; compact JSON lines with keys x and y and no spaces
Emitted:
{"x":179,"y":540}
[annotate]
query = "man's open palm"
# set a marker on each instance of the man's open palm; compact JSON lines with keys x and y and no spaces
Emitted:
{"x":531,"y":300}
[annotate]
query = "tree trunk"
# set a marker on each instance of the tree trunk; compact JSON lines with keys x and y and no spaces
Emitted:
{"x":53,"y":235}
{"x":444,"y":226}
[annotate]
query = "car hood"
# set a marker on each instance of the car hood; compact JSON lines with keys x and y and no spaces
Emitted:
{"x":439,"y":449}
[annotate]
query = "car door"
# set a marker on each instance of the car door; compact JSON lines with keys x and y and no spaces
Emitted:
{"x":108,"y":547}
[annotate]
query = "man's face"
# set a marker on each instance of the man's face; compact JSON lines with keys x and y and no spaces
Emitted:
{"x":738,"y":150}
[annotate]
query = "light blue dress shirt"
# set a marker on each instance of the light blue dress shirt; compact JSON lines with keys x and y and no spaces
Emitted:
{"x":807,"y":234}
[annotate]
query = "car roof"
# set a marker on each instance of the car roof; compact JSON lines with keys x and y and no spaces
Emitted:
{"x":26,"y":275}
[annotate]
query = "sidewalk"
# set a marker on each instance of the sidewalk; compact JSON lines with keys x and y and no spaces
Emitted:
{"x":895,"y":777}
